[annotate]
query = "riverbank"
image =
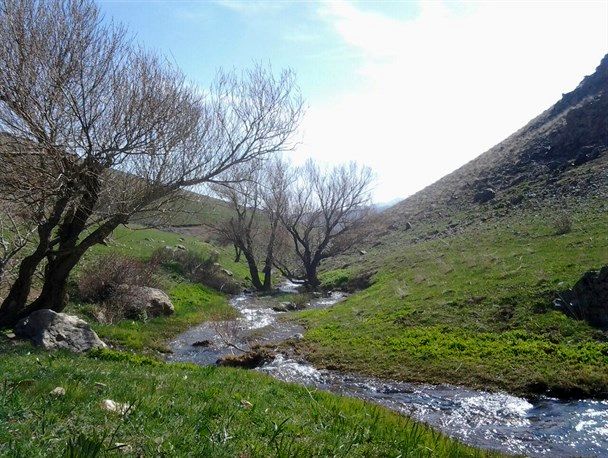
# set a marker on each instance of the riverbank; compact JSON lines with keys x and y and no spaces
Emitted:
{"x":497,"y":421}
{"x":474,"y":309}
{"x":185,"y":409}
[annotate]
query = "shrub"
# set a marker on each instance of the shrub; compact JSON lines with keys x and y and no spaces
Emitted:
{"x":99,"y":279}
{"x":196,"y":268}
{"x":562,"y":224}
{"x":300,"y":300}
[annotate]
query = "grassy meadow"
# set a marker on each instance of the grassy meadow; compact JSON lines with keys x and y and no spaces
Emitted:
{"x":473,"y":309}
{"x":182,"y":409}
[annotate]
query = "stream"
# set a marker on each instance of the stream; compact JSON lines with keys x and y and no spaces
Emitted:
{"x":540,"y":427}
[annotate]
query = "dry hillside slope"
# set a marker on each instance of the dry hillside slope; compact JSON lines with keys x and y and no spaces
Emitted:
{"x":561,"y":153}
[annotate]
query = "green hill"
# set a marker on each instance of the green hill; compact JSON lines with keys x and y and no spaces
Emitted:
{"x":464,"y":273}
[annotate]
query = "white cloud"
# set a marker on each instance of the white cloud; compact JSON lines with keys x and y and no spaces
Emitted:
{"x":440,"y":89}
{"x":251,"y":6}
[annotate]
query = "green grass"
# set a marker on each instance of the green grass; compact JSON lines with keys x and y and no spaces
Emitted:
{"x":188,"y":410}
{"x":193,"y":303}
{"x":473,"y":309}
{"x":141,"y":243}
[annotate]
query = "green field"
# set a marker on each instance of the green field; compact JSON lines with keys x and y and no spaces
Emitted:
{"x":472,"y":309}
{"x":188,"y":410}
{"x":180,"y":409}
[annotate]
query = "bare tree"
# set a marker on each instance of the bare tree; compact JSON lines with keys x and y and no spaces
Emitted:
{"x":14,"y":238}
{"x":118,"y":131}
{"x":257,"y":203}
{"x":323,"y":206}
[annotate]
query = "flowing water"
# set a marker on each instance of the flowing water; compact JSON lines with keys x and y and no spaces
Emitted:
{"x":541,"y":427}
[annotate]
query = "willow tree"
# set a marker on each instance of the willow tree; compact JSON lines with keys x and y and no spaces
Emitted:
{"x":323,"y":207}
{"x":115,"y":132}
{"x":256,"y":198}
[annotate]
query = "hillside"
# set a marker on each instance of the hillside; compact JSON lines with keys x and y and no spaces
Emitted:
{"x":461,"y":277}
{"x":560,"y":156}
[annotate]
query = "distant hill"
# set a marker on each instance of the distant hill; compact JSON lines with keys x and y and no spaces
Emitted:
{"x":192,"y":214}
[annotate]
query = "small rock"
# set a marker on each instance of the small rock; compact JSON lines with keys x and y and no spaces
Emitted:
{"x":10,"y":335}
{"x":484,"y":195}
{"x":202,"y":343}
{"x":286,"y":307}
{"x":113,"y":406}
{"x":124,"y":448}
{"x":227,"y":272}
{"x":246,"y":404}
{"x":58,"y":392}
{"x":362,"y":252}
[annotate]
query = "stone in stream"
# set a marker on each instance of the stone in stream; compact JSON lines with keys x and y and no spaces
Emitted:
{"x":202,"y":343}
{"x":287,"y":307}
{"x":52,"y":330}
{"x":249,"y":360}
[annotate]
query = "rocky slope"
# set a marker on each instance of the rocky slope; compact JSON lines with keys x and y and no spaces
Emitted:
{"x":560,"y":154}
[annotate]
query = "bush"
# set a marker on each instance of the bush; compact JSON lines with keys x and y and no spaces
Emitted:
{"x":100,"y":278}
{"x":562,"y":224}
{"x":196,"y":268}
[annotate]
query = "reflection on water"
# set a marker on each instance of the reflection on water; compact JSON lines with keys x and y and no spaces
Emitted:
{"x":545,"y":427}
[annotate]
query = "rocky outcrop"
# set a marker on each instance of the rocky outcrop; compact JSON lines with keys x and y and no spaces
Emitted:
{"x":52,"y":330}
{"x":484,"y":195}
{"x":143,"y":302}
{"x":588,"y":299}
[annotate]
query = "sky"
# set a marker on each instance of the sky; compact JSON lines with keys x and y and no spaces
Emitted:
{"x":412,"y":89}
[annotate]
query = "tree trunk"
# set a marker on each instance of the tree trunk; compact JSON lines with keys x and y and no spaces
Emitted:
{"x":269,"y":261}
{"x":267,"y":286}
{"x":13,"y":307}
{"x":253,"y":271}
{"x":60,"y":265}
{"x":54,"y":291}
{"x":312,"y":281}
